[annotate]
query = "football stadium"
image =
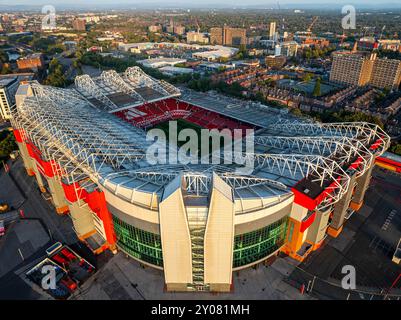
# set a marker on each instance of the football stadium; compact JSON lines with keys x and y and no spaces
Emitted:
{"x":198,"y":223}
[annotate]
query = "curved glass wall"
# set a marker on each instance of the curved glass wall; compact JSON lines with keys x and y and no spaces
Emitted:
{"x":248,"y":247}
{"x":142,"y":245}
{"x":253,"y":246}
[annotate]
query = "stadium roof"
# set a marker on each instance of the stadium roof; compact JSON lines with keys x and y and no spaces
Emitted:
{"x":114,"y":92}
{"x":82,"y":140}
{"x":247,"y":111}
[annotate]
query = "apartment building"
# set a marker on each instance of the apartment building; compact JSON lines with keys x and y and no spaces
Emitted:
{"x":228,"y":36}
{"x":361,"y":69}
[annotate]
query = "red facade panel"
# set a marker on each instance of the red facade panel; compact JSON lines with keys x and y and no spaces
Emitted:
{"x":308,"y":222}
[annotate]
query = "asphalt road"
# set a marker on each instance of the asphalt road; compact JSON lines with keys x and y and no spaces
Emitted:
{"x":35,"y":206}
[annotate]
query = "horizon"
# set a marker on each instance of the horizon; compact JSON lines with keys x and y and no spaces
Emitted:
{"x":157,"y":4}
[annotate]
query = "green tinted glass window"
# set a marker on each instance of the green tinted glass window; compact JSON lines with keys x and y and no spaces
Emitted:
{"x":255,"y":245}
{"x":140,"y":244}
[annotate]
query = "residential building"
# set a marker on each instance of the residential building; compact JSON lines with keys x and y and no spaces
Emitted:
{"x":275,"y":61}
{"x":155,"y":28}
{"x":197,"y":37}
{"x":272,"y":31}
{"x":365,"y":69}
{"x":216,"y":36}
{"x":386,"y":73}
{"x":228,"y":36}
{"x":289,"y":48}
{"x":234,"y":36}
{"x":180,"y":30}
{"x":79,"y":24}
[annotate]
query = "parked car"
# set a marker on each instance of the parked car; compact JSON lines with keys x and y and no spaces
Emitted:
{"x":2,"y":228}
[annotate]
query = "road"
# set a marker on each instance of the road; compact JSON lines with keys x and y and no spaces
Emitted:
{"x":35,"y":206}
{"x":27,"y":239}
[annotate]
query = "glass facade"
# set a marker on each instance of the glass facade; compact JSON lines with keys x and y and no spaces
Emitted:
{"x":253,"y":246}
{"x":248,"y":247}
{"x":142,"y":245}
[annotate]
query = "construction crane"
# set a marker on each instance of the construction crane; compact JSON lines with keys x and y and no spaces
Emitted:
{"x":343,"y":38}
{"x":366,"y":29}
{"x":313,"y":23}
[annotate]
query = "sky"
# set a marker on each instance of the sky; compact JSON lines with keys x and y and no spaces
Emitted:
{"x":205,"y":3}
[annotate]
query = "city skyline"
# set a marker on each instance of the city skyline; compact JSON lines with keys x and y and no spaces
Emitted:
{"x":283,"y":4}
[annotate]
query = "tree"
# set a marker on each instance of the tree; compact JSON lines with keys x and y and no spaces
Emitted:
{"x":307,"y":77}
{"x":3,"y":56}
{"x":317,"y":90}
{"x":56,"y":76}
{"x":396,"y":149}
{"x":296,"y":112}
{"x":7,"y":144}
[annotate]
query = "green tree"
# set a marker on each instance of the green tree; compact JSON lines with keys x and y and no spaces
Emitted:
{"x":56,"y":76}
{"x":396,"y":148}
{"x":3,"y":56}
{"x":307,"y":77}
{"x":7,"y":144}
{"x":317,"y":90}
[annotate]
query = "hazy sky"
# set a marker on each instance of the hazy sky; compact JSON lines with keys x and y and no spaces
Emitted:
{"x":231,"y":2}
{"x":192,"y":3}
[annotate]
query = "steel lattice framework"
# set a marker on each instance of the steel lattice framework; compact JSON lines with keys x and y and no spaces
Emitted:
{"x":366,"y":133}
{"x":110,"y":82}
{"x":140,"y":79}
{"x":344,"y":149}
{"x":114,"y":80}
{"x":87,"y":145}
{"x":87,"y":86}
{"x":75,"y":136}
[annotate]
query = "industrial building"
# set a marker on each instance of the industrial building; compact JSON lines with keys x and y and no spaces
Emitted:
{"x":196,"y":223}
{"x":161,"y":62}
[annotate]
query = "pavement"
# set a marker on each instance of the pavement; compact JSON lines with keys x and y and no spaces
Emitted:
{"x":27,"y":238}
{"x":35,"y":206}
{"x":23,"y":239}
{"x":123,"y":278}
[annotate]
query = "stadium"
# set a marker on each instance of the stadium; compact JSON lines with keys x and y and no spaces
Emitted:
{"x":86,"y":146}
